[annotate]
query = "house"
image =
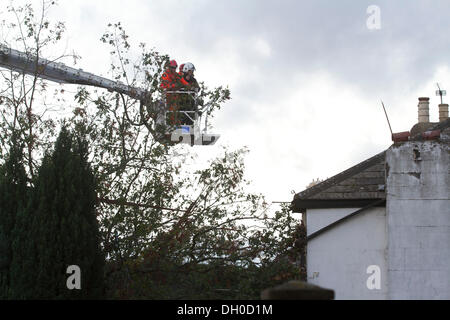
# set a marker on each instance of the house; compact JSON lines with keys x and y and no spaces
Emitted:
{"x":381,"y":229}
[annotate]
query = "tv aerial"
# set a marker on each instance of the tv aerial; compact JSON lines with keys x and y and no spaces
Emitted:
{"x":440,"y":92}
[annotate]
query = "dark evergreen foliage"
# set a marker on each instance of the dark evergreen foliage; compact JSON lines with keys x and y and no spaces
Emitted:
{"x":13,"y":195}
{"x":59,"y":228}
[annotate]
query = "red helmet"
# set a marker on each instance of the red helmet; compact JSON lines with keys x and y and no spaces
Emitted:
{"x":173,"y":63}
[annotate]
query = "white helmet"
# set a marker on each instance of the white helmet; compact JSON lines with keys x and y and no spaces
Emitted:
{"x":188,"y":66}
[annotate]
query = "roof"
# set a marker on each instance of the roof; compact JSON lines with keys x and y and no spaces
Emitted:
{"x":355,"y":187}
{"x":364,"y":183}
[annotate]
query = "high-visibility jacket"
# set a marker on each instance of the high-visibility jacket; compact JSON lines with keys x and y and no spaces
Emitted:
{"x":170,"y":80}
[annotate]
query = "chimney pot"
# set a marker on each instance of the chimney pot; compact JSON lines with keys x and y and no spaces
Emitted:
{"x":424,"y":110}
{"x":443,"y":112}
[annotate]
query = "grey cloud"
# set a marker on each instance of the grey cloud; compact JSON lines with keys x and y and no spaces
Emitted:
{"x":308,"y":36}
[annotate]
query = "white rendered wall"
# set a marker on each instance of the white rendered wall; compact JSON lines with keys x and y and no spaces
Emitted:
{"x":338,"y":258}
{"x":418,"y":214}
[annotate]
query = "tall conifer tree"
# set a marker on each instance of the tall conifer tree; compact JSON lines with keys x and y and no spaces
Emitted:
{"x":13,"y":196}
{"x":62,"y":227}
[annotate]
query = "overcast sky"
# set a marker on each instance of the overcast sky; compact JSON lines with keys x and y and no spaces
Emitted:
{"x":306,"y":77}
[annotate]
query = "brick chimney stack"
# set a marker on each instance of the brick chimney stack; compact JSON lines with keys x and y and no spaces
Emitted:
{"x":443,"y":112}
{"x":424,"y":110}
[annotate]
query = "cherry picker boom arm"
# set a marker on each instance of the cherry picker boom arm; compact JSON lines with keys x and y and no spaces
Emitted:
{"x":58,"y":72}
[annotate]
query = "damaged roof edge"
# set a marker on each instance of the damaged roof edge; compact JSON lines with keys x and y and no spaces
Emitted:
{"x":304,"y":195}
